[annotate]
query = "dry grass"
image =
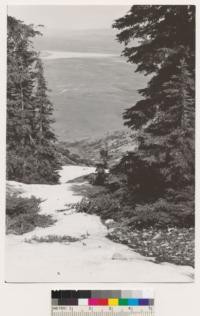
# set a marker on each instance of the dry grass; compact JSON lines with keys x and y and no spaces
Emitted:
{"x":55,"y":238}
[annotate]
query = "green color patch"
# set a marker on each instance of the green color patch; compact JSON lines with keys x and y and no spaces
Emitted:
{"x":123,"y":301}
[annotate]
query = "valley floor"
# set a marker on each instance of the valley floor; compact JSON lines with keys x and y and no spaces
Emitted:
{"x":91,"y":257}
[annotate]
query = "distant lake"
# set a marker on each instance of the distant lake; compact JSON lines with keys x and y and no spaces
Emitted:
{"x":66,"y":54}
{"x":89,"y":91}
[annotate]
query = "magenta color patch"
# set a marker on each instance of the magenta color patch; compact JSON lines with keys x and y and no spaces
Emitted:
{"x":93,"y":301}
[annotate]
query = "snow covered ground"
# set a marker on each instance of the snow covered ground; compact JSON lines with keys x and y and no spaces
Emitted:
{"x":94,"y":259}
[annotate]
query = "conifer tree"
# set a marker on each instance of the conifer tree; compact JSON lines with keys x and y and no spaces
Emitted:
{"x":161,"y":41}
{"x":31,"y":156}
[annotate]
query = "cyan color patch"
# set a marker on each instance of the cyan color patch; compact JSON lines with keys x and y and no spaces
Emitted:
{"x":133,"y":302}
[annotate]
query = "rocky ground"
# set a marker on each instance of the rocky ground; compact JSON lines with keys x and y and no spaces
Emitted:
{"x":173,"y":245}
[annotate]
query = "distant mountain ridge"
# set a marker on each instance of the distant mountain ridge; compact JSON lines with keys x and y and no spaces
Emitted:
{"x":87,"y":151}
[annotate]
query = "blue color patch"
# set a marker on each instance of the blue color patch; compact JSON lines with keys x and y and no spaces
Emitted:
{"x":144,"y":302}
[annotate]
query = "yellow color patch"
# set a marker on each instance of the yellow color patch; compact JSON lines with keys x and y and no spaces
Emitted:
{"x":113,"y":301}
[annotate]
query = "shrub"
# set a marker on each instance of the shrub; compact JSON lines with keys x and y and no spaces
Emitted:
{"x":22,"y":215}
{"x":16,"y":205}
{"x":114,"y":182}
{"x":162,"y":214}
{"x":103,"y":205}
{"x":100,"y":175}
{"x":28,"y":170}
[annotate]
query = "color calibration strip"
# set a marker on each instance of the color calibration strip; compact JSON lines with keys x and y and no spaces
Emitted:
{"x":102,"y":303}
{"x":102,"y":298}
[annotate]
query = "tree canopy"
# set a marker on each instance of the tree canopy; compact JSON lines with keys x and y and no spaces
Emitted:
{"x":31,"y":154}
{"x":160,"y":40}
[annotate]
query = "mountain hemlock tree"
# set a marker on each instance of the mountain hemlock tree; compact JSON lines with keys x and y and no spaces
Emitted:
{"x":31,"y":154}
{"x":160,"y":40}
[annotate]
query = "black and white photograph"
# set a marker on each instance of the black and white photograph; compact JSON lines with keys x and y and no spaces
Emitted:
{"x":100,"y":174}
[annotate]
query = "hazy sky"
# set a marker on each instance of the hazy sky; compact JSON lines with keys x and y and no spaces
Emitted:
{"x":69,"y":17}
